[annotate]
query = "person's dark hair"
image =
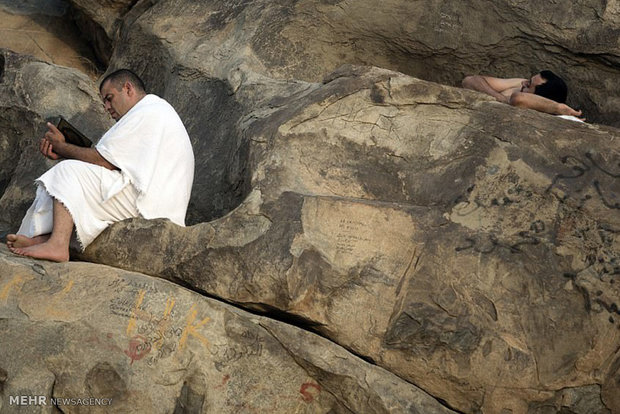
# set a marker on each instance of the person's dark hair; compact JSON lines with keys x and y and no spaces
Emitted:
{"x":119,"y":77}
{"x":554,"y":88}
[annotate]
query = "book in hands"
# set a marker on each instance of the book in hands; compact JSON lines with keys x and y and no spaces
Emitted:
{"x":72,"y":134}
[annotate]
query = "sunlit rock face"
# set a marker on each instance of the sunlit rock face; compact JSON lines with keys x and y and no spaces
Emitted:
{"x":465,"y":246}
{"x":125,"y":342}
{"x":468,"y":246}
{"x":45,"y":29}
{"x":436,"y":41}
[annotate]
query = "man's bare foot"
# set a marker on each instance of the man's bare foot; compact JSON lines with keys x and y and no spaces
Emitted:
{"x":19,"y":240}
{"x":47,"y":250}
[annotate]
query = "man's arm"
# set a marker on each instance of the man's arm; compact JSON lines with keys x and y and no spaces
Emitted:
{"x":542,"y":104}
{"x":54,"y":146}
{"x":498,"y":88}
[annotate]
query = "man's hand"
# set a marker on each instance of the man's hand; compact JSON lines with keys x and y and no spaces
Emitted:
{"x":47,"y":150}
{"x":52,"y":137}
{"x":55,"y":147}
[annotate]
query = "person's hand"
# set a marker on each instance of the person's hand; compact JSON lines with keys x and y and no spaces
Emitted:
{"x":52,"y":137}
{"x":47,"y":149}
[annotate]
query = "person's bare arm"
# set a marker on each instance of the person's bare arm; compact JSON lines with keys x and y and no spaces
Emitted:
{"x":495,"y":87}
{"x":54,"y":147}
{"x":542,"y":104}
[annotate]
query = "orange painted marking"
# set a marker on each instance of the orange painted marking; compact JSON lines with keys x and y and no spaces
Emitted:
{"x":192,"y":329}
{"x":4,"y":293}
{"x":164,"y":323}
{"x":52,"y":309}
{"x":67,"y":288}
{"x":169,"y":306}
{"x":131,"y":325}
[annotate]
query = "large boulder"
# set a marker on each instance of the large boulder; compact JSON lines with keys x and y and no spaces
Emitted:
{"x":131,"y":343}
{"x":223,"y":64}
{"x":437,"y":41}
{"x":468,"y":246}
{"x":42,"y":29}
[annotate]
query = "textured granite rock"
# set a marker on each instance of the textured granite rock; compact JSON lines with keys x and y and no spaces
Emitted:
{"x":33,"y":92}
{"x":223,"y":64}
{"x":43,"y":29}
{"x":140,"y":344}
{"x":436,"y":41}
{"x":468,"y":246}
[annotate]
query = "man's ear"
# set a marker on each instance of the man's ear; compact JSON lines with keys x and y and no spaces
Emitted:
{"x":130,"y":89}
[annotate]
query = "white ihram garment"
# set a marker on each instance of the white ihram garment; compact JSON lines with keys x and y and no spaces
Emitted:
{"x":152,"y":149}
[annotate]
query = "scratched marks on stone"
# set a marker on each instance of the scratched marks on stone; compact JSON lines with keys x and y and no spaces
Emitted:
{"x":588,"y":177}
{"x":596,"y":245}
{"x":504,"y":211}
{"x":489,"y":243}
{"x":248,"y":344}
{"x":350,"y":235}
{"x":154,"y":334}
{"x":122,"y":305}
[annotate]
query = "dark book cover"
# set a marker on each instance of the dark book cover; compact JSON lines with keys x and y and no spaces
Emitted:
{"x":72,"y":134}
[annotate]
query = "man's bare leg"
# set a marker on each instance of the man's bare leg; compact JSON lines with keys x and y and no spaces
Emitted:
{"x":19,"y":240}
{"x":56,"y":248}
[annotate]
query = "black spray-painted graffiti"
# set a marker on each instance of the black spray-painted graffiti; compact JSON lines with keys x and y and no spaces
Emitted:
{"x":579,"y":169}
{"x":489,"y":243}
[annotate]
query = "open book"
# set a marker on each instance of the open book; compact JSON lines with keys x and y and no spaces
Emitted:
{"x":72,"y":135}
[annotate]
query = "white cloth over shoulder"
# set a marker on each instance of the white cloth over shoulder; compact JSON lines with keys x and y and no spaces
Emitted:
{"x":150,"y":146}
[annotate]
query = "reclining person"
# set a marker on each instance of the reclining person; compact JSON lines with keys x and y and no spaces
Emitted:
{"x":544,"y":92}
{"x":142,"y":167}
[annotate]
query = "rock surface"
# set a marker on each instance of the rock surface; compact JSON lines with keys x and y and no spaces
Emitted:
{"x":84,"y":331}
{"x":468,"y":247}
{"x":223,"y":64}
{"x":34,"y":92}
{"x":41,"y":29}
{"x":437,"y":41}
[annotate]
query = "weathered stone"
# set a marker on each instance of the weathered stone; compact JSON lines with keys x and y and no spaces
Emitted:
{"x":34,"y":92}
{"x":42,"y":29}
{"x":465,"y":245}
{"x":100,"y":20}
{"x":224,"y":64}
{"x":141,"y":344}
{"x":436,"y":41}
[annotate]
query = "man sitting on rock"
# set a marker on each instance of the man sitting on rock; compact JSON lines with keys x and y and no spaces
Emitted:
{"x":142,"y":166}
{"x":544,"y":92}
